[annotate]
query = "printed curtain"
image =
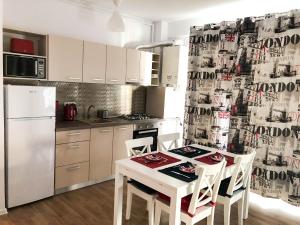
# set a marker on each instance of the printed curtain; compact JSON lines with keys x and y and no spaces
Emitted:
{"x":243,"y":94}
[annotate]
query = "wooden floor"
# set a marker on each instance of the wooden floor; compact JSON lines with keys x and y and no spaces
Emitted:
{"x":94,"y":206}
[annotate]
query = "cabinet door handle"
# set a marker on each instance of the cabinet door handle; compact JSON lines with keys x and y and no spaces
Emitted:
{"x":73,"y":168}
{"x":123,"y":128}
{"x":98,"y":79}
{"x":104,"y":131}
{"x":114,"y":80}
{"x":133,"y":79}
{"x":74,"y":78}
{"x":73,"y":147}
{"x":74,"y":134}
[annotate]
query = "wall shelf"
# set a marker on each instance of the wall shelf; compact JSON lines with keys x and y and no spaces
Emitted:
{"x":39,"y":41}
{"x":155,"y":69}
{"x":21,"y":54}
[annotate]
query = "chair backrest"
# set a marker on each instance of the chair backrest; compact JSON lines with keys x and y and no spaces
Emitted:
{"x":208,"y":184}
{"x":242,"y":172}
{"x":171,"y":139}
{"x":139,"y":146}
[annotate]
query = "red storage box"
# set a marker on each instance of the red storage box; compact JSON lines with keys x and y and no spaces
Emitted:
{"x":21,"y":46}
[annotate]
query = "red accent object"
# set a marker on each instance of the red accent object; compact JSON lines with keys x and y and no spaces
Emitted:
{"x":56,"y":106}
{"x":185,"y":203}
{"x":230,"y":37}
{"x":208,"y":160}
{"x":227,"y":77}
{"x":223,"y":115}
{"x":70,"y":112}
{"x":155,"y":164}
{"x":21,"y":46}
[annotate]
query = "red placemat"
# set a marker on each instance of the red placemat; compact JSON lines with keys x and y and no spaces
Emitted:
{"x":208,"y":160}
{"x":155,"y":164}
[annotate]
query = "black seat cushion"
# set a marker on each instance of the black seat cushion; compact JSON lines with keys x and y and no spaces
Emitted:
{"x":142,"y":187}
{"x":224,"y":187}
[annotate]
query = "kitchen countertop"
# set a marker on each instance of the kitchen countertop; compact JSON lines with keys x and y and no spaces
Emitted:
{"x":87,"y":124}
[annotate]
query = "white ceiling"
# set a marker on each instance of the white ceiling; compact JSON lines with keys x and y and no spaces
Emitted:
{"x":155,"y":9}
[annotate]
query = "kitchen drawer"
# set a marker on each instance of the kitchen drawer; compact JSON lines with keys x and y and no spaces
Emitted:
{"x":73,"y":174}
{"x":63,"y":137}
{"x":71,"y":153}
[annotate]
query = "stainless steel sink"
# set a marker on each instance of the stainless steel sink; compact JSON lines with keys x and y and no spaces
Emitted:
{"x":100,"y":121}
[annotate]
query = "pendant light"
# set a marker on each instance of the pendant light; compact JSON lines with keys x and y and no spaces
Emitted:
{"x":116,"y":22}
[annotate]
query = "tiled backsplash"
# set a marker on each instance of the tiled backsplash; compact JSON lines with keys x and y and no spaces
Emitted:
{"x":117,"y":99}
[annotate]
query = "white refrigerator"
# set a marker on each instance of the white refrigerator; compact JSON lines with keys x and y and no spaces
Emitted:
{"x":29,"y":143}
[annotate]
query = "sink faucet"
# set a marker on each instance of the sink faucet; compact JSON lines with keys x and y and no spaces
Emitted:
{"x":88,"y":111}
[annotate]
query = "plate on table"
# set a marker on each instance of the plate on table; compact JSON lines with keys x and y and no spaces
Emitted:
{"x":187,"y":169}
{"x":153,"y":158}
{"x":188,"y":149}
{"x":217,"y":157}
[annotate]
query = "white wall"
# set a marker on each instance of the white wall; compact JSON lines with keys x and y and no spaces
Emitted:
{"x":229,"y":12}
{"x":71,"y":20}
{"x":2,"y":187}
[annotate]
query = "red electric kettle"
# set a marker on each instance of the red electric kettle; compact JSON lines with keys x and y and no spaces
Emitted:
{"x":70,"y":111}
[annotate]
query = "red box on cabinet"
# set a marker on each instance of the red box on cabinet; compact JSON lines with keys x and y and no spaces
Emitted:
{"x":21,"y":46}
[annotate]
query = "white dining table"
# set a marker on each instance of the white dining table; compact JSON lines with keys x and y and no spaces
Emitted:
{"x":165,"y":184}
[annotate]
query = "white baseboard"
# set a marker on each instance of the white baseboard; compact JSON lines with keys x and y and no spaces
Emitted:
{"x":3,"y":211}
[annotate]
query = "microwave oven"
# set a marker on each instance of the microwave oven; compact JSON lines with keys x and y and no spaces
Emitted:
{"x":20,"y":66}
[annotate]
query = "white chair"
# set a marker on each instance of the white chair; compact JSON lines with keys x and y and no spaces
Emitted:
{"x":136,"y":147}
{"x":200,"y":204}
{"x":172,"y":139}
{"x":233,"y":188}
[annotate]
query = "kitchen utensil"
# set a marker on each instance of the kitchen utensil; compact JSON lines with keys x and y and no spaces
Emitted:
{"x":103,"y":114}
{"x":70,"y":111}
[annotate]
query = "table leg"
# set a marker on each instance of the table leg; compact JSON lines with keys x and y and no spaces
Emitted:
{"x":246,"y":200}
{"x":175,"y":211}
{"x":118,"y":201}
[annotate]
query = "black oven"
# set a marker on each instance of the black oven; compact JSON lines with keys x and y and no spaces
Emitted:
{"x":142,"y":132}
{"x":21,"y":66}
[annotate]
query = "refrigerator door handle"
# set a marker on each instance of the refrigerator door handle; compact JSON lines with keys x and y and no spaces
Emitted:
{"x":32,"y":118}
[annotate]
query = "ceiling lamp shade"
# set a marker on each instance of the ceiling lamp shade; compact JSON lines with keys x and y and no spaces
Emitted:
{"x":116,"y":23}
{"x":117,"y":2}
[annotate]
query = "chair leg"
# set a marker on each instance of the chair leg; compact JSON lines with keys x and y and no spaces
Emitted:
{"x":151,"y":212}
{"x":241,"y":211}
{"x":227,"y":208}
{"x":210,"y":219}
{"x":157,"y":215}
{"x":129,"y":203}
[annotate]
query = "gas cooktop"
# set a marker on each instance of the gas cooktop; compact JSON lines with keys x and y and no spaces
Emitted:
{"x":137,"y":116}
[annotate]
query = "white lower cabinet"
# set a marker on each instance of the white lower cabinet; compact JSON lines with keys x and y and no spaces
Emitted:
{"x":89,"y":155}
{"x":72,"y":174}
{"x":121,"y":134}
{"x":101,"y":152}
{"x":72,"y":158}
{"x":67,"y":154}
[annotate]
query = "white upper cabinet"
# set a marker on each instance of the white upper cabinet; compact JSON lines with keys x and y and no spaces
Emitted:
{"x":133,"y":66}
{"x":145,"y":68}
{"x":174,"y":68}
{"x":65,"y":59}
{"x":94,"y":62}
{"x":116,"y":65}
